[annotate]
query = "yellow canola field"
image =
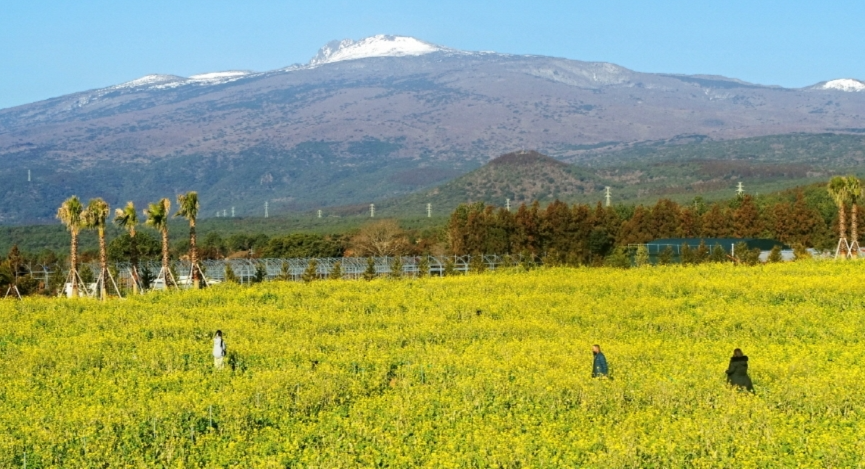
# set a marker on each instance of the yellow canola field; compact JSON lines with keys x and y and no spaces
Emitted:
{"x":489,"y":370}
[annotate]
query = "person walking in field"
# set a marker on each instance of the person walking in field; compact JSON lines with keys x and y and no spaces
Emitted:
{"x":737,"y":372}
{"x":218,"y":351}
{"x":599,"y":364}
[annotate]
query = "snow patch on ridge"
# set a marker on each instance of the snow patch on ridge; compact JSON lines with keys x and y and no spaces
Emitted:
{"x":148,"y":80}
{"x":219,"y":77}
{"x":375,"y":46}
{"x":844,"y":84}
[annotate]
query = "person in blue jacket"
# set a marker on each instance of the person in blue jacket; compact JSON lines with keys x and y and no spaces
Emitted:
{"x":599,"y":364}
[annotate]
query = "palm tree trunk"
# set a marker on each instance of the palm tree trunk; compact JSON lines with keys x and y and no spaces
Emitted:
{"x":854,"y":230}
{"x":165,"y":270}
{"x":73,"y":264}
{"x":103,"y":265}
{"x":193,"y":254}
{"x":133,"y":256}
{"x":842,"y":229}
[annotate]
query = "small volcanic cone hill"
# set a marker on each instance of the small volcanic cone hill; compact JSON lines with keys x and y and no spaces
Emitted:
{"x":521,"y":176}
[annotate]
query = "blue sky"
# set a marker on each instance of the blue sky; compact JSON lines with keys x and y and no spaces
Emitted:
{"x":51,"y":48}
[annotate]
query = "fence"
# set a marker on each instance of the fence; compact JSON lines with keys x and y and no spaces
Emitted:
{"x":249,"y":270}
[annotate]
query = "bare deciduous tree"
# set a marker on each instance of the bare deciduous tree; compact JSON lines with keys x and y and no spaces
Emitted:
{"x":381,"y":238}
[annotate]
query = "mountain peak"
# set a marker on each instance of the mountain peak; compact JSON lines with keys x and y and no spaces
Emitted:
{"x":375,"y":46}
{"x":844,"y":84}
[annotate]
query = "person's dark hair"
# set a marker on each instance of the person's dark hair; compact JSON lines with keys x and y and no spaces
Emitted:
{"x":597,"y":346}
{"x":219,"y":334}
{"x":737,"y":352}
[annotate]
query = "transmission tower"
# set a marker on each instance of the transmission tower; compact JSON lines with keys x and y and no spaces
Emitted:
{"x":740,"y":190}
{"x":428,"y":210}
{"x":265,"y":209}
{"x":371,"y":210}
{"x":607,"y":195}
{"x":508,"y":204}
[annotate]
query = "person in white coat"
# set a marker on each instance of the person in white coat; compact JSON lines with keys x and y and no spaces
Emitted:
{"x":218,"y":351}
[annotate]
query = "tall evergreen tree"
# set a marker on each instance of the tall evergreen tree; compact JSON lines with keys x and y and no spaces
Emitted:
{"x":639,"y":229}
{"x":665,"y":219}
{"x":716,"y":222}
{"x":746,"y":219}
{"x":689,"y":222}
{"x":527,"y":233}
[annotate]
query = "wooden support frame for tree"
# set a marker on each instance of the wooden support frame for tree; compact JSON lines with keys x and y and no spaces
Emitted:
{"x":136,"y":279}
{"x":853,"y":249}
{"x":165,"y":274}
{"x":192,"y":269}
{"x":13,"y":287}
{"x":101,"y":280}
{"x":843,"y":249}
{"x":74,"y":277}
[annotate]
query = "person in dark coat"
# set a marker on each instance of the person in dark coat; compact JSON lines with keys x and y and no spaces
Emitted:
{"x":737,"y":372}
{"x":599,"y":364}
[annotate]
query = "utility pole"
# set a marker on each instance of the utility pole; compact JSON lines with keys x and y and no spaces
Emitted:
{"x":428,"y":210}
{"x":508,"y":204}
{"x":740,"y":189}
{"x":607,"y":195}
{"x":223,"y":213}
{"x":232,"y":212}
{"x":371,"y":210}
{"x":319,"y":214}
{"x":265,"y":209}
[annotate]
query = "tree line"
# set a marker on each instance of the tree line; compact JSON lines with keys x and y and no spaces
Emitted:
{"x":580,"y":234}
{"x":559,"y":233}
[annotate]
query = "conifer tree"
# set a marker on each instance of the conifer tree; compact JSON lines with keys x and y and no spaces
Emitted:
{"x":230,"y":276}
{"x":686,"y":255}
{"x":641,"y":258}
{"x":336,"y":272}
{"x":718,"y":254}
{"x":716,"y":222}
{"x":396,"y":268}
{"x":746,"y":219}
{"x":775,"y":254}
{"x":449,"y":267}
{"x":477,"y":265}
{"x":311,"y":271}
{"x":423,"y":267}
{"x":665,"y":219}
{"x":370,"y":272}
{"x":666,"y":256}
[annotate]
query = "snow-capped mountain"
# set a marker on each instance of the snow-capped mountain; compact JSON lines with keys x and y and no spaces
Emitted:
{"x":375,"y":46}
{"x":362,"y":120}
{"x":842,"y":84}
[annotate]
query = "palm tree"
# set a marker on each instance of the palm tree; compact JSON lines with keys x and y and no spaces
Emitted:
{"x":854,"y":189}
{"x":188,"y":208}
{"x":838,"y":190}
{"x":157,"y":218}
{"x":70,"y":214}
{"x":95,"y":217}
{"x":127,"y":218}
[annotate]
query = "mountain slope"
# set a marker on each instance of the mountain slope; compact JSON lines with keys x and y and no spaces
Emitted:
{"x":362,"y":120}
{"x":647,"y":172}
